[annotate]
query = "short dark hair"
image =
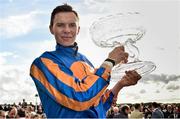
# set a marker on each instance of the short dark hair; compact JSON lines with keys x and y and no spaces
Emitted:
{"x":124,"y":108}
{"x":62,"y":8}
{"x":155,"y":104}
{"x":137,"y":106}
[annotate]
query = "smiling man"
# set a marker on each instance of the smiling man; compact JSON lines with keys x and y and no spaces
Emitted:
{"x":68,"y":84}
{"x":65,"y":27}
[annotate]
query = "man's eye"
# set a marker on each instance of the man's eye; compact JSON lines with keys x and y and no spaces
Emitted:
{"x":60,"y":25}
{"x":72,"y":25}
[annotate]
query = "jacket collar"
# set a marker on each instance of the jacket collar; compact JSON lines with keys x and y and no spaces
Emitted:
{"x":73,"y":49}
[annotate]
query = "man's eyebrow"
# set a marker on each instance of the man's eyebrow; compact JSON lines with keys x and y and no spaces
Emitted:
{"x":66,"y":23}
{"x":59,"y":23}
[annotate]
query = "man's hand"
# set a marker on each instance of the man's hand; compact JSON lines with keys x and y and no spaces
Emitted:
{"x":130,"y":78}
{"x":118,"y":55}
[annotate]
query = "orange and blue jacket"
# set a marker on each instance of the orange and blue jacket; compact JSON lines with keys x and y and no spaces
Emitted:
{"x":69,"y":86}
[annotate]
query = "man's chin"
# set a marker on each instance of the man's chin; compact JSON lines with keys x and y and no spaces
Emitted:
{"x":68,"y":43}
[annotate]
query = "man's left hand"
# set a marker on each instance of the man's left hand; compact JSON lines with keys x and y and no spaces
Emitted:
{"x":130,"y":78}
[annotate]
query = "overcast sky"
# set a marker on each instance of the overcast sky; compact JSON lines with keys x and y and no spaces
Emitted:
{"x":24,"y":35}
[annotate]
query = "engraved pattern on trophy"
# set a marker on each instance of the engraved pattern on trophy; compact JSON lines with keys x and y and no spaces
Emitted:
{"x":122,"y":29}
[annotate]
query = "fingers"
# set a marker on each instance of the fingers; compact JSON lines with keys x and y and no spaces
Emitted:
{"x":118,"y":55}
{"x":133,"y":74}
{"x":131,"y":78}
{"x":125,"y":58}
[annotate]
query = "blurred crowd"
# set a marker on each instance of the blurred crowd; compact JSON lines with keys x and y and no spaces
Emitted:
{"x":21,"y":110}
{"x":145,"y":111}
{"x":139,"y":110}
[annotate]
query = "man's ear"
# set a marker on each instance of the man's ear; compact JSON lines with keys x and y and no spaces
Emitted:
{"x":51,"y":29}
{"x":78,"y":30}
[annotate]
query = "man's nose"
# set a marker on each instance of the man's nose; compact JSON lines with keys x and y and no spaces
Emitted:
{"x":67,"y":29}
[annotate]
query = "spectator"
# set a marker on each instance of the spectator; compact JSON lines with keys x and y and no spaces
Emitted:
{"x":1,"y":108}
{"x":2,"y":114}
{"x":110,"y":113}
{"x":12,"y":113}
{"x":125,"y":110}
{"x":132,"y":108}
{"x":178,"y":111}
{"x":157,"y":113}
{"x":6,"y":107}
{"x":147,"y":112}
{"x":21,"y":112}
{"x":169,"y":112}
{"x":137,"y":112}
{"x":40,"y":110}
{"x":116,"y":110}
{"x":24,"y":103}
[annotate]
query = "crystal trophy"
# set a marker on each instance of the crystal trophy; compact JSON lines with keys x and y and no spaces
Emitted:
{"x":122,"y":29}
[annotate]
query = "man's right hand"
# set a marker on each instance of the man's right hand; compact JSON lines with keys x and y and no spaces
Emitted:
{"x":118,"y":55}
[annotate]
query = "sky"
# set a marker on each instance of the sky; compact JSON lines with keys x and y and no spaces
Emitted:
{"x":24,"y":35}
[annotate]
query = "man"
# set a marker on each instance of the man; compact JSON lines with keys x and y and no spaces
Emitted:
{"x":2,"y":114}
{"x":24,"y":103}
{"x":116,"y":110}
{"x":137,"y":112}
{"x":124,"y":111}
{"x":67,"y":83}
{"x":12,"y":113}
{"x":156,"y":113}
{"x":169,"y":112}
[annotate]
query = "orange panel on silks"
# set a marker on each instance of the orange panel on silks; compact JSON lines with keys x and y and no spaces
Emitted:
{"x":81,"y":69}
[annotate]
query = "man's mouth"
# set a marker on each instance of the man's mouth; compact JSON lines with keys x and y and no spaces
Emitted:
{"x":66,"y":37}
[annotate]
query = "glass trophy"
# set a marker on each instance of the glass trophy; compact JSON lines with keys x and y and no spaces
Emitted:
{"x":122,"y":29}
